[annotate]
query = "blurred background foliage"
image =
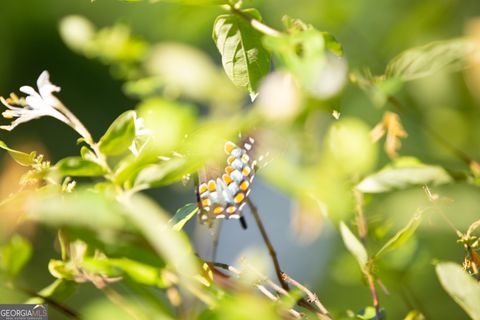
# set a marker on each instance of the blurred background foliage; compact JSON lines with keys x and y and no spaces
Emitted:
{"x":159,"y":58}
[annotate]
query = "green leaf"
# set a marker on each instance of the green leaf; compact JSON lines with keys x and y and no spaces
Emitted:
{"x":187,"y":2}
{"x":414,"y":315}
{"x":59,"y":290}
{"x":355,"y":247}
{"x":78,"y":167}
{"x":332,"y":44}
{"x":369,"y":313}
{"x":22,"y":158}
{"x":61,"y":269}
{"x":461,"y":287}
{"x":429,"y":59}
{"x":304,"y":54}
{"x":156,"y":175}
{"x":174,"y":246}
{"x":401,"y":236}
{"x":15,"y":254}
{"x":244,"y":58}
{"x":183,"y":215}
{"x":137,"y":271}
{"x":403,"y":173}
{"x":83,"y":208}
{"x":119,"y":135}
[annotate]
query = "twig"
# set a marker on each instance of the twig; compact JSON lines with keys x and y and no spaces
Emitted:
{"x":269,"y":245}
{"x":373,"y":291}
{"x":363,"y":233}
{"x":312,"y":297}
{"x":361,"y":220}
{"x":260,"y":287}
{"x":256,"y":24}
{"x":61,"y":307}
{"x":276,"y":264}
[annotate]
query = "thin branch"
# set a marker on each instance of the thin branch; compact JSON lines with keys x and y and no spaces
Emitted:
{"x":269,"y":245}
{"x":361,"y":220}
{"x":260,"y":287}
{"x":256,"y":24}
{"x":373,"y":291}
{"x":312,"y":297}
{"x":59,"y":306}
{"x":363,"y":233}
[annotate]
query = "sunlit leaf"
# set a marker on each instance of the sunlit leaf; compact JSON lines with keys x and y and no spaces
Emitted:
{"x":429,"y":59}
{"x":355,"y":247}
{"x":84,"y":208}
{"x":156,"y":175}
{"x":119,"y":135}
{"x":349,"y":147}
{"x":414,"y":315}
{"x":461,"y":287}
{"x":403,"y":173}
{"x":79,"y":167}
{"x":137,"y":271}
{"x":174,"y":246}
{"x":183,"y":215}
{"x":62,"y":270}
{"x":15,"y":254}
{"x":244,"y":59}
{"x":401,"y":236}
{"x":22,"y":158}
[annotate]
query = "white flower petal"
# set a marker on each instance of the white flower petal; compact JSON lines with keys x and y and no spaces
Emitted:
{"x":36,"y":102}
{"x":29,"y":90}
{"x":43,"y":79}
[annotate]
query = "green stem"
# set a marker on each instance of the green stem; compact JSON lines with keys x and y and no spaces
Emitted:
{"x":256,"y":24}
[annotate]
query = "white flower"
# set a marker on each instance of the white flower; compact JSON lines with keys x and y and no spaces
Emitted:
{"x":141,"y":136}
{"x":37,"y":104}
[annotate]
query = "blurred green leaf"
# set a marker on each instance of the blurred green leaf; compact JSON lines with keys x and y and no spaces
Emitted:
{"x":332,"y":44}
{"x":349,"y":147}
{"x":183,"y":215}
{"x":59,"y":290}
{"x":137,"y":271}
{"x":403,"y":173}
{"x":369,"y":314}
{"x":22,"y":158}
{"x":172,"y":245}
{"x":401,"y":236}
{"x":119,"y":135}
{"x":414,"y":315}
{"x":355,"y":247}
{"x":430,"y":59}
{"x":244,"y":58}
{"x":15,"y":254}
{"x":169,"y":122}
{"x":188,"y":2}
{"x":83,"y":208}
{"x":167,"y":172}
{"x":461,"y":287}
{"x":250,"y":305}
{"x":62,"y":270}
{"x":304,"y":54}
{"x":87,"y":154}
{"x":78,"y":167}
